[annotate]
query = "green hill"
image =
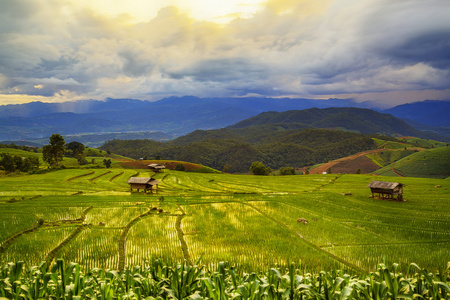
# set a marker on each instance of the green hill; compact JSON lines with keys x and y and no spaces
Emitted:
{"x":348,"y":118}
{"x":276,"y":145}
{"x":433,"y":163}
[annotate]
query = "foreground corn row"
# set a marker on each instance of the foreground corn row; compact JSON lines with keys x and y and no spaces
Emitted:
{"x":164,"y":281}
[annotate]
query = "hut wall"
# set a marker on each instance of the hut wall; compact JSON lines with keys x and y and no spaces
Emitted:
{"x":138,"y":186}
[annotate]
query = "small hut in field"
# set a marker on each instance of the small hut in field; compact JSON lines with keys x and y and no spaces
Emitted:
{"x":387,"y":190}
{"x":156,"y":167}
{"x":143,"y":183}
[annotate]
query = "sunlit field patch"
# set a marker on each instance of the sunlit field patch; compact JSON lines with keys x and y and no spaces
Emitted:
{"x":33,"y":247}
{"x":154,"y":237}
{"x":93,"y":247}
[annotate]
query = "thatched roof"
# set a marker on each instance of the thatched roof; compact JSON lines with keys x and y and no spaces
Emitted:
{"x":143,"y":180}
{"x":384,"y":184}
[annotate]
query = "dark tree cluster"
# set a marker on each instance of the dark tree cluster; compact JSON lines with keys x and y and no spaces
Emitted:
{"x":76,"y":150}
{"x":12,"y":163}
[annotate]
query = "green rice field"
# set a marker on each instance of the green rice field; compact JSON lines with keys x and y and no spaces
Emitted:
{"x":90,"y":217}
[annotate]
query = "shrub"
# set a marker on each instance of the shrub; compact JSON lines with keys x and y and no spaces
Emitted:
{"x":180,"y":167}
{"x":258,"y":168}
{"x":287,"y":171}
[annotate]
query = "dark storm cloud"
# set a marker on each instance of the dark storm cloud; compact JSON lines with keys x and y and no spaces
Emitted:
{"x":432,"y":48}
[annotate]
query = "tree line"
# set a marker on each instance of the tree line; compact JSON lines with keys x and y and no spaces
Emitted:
{"x":52,"y":154}
{"x":12,"y":163}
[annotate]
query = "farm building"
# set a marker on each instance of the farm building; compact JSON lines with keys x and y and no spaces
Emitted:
{"x":156,"y":167}
{"x":144,"y":183}
{"x":388,"y":190}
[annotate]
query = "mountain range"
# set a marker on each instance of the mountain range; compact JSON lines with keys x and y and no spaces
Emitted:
{"x":296,"y":138}
{"x":177,"y":116}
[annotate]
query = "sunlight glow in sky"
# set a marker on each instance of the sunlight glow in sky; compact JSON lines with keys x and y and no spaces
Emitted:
{"x":217,"y":11}
{"x":387,"y":51}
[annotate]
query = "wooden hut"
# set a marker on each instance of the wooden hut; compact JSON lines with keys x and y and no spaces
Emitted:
{"x":156,"y":167}
{"x":144,"y":183}
{"x":388,"y":190}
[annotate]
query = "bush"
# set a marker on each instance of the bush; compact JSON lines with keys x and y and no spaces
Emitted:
{"x":180,"y":167}
{"x":287,"y":171}
{"x":258,"y":168}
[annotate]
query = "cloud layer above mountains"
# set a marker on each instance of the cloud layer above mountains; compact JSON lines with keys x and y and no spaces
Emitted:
{"x":367,"y":49}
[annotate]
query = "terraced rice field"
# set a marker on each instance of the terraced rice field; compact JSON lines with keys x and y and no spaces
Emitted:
{"x":91,"y":217}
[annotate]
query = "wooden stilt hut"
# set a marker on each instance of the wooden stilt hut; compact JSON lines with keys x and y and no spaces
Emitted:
{"x":144,"y":183}
{"x":156,"y":167}
{"x":387,"y":190}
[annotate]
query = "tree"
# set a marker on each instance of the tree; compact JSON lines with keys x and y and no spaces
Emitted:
{"x":7,"y":162}
{"x":18,"y":162}
{"x":11,"y":163}
{"x":258,"y":168}
{"x":287,"y":171}
{"x":53,"y":153}
{"x":226,"y":168}
{"x":107,"y":163}
{"x":75,"y":149}
{"x":30,"y":163}
{"x":81,"y":159}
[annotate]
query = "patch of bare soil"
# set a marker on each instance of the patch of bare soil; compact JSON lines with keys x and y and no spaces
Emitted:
{"x":349,"y":164}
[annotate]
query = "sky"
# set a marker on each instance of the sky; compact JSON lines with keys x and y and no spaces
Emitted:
{"x":390,"y":52}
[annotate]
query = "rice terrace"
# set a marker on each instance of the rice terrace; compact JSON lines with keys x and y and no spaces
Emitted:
{"x":316,"y":222}
{"x":92,"y":218}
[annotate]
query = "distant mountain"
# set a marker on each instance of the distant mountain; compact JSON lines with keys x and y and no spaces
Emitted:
{"x":175,"y":116}
{"x":429,"y":112}
{"x":360,"y":120}
{"x":22,"y":143}
{"x":36,"y":109}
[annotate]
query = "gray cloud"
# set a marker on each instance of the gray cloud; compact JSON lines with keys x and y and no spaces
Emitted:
{"x":341,"y":47}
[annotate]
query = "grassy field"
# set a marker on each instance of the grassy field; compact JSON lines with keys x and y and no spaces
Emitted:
{"x":91,"y":217}
{"x":433,"y":163}
{"x":423,"y":143}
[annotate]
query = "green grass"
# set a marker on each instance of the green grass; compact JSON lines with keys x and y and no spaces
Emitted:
{"x":434,"y":163}
{"x":250,"y":221}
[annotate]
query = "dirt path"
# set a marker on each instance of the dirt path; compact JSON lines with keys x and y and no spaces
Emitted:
{"x":395,"y":171}
{"x":325,"y":167}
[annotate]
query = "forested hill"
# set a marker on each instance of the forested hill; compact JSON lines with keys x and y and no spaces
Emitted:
{"x":233,"y":150}
{"x":287,"y":139}
{"x":353,"y":119}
